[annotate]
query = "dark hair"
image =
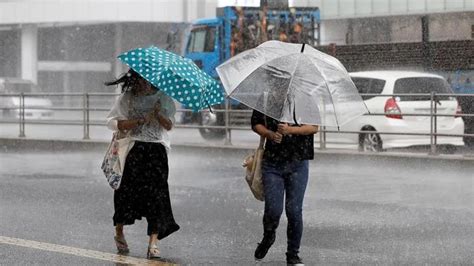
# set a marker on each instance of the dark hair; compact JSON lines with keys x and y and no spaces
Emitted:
{"x":128,"y":81}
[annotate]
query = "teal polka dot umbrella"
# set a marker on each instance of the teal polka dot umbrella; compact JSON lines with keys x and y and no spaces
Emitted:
{"x":176,"y":76}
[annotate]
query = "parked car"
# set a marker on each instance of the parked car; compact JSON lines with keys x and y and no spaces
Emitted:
{"x":35,"y":107}
{"x":401,"y":82}
{"x":462,"y":84}
{"x":467,"y":106}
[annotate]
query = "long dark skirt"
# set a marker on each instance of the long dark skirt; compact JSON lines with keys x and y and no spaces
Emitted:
{"x":144,"y":190}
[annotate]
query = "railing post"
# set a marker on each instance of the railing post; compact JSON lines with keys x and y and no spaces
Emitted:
{"x":228,"y":136}
{"x":85,"y":101}
{"x":22,"y":115}
{"x":322,"y":132}
{"x":435,"y":122}
{"x":432,"y":124}
{"x":322,"y":137}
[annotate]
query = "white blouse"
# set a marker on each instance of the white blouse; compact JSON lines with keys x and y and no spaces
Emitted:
{"x":128,"y":106}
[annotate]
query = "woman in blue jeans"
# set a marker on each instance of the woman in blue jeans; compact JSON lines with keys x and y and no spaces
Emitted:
{"x":285,"y":171}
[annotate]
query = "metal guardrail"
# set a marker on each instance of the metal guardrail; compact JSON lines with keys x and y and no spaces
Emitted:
{"x":86,"y":121}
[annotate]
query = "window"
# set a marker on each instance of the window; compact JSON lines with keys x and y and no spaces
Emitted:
{"x":18,"y":87}
{"x":368,"y":85}
{"x":421,"y":85}
{"x":202,"y":40}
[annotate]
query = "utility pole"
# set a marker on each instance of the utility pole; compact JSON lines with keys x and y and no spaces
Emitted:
{"x":425,"y":40}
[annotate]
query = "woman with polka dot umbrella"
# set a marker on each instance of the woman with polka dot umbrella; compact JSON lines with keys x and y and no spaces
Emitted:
{"x":176,"y":76}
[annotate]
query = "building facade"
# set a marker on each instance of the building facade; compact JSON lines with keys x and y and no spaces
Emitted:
{"x":71,"y":45}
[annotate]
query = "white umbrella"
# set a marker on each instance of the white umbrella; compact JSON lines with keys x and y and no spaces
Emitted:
{"x":292,"y":83}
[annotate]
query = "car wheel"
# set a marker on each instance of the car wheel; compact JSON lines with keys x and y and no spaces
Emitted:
{"x":448,"y":149}
{"x":7,"y":113}
{"x":469,"y":142}
{"x":469,"y":129}
{"x":210,"y":119}
{"x":370,"y":142}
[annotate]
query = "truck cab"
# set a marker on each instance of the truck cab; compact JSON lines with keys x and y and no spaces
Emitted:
{"x":203,"y":45}
{"x":212,"y":41}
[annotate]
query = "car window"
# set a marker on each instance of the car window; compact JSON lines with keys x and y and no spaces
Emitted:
{"x":368,"y":85}
{"x":421,"y":85}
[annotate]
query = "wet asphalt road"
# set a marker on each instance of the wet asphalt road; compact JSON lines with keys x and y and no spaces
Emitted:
{"x":357,"y":210}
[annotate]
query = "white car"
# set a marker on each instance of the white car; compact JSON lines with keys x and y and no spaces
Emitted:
{"x":35,"y":107}
{"x":400,"y":82}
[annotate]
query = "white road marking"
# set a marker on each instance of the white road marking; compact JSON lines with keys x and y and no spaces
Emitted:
{"x":87,"y":253}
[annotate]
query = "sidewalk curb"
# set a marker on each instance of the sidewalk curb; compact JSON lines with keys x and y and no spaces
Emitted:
{"x":15,"y":144}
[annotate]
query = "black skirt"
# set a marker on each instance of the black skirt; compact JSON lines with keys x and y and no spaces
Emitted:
{"x":144,"y":190}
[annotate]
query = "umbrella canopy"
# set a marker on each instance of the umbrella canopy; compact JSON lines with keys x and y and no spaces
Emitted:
{"x":292,"y":83}
{"x":175,"y":75}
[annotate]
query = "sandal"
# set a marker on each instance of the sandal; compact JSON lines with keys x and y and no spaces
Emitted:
{"x":153,"y":252}
{"x":121,"y":244}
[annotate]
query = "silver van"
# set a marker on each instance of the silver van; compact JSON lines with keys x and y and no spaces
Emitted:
{"x":35,"y":107}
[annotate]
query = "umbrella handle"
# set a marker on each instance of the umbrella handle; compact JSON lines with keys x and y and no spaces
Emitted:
{"x":209,"y":106}
{"x":294,"y":115}
{"x":302,"y":47}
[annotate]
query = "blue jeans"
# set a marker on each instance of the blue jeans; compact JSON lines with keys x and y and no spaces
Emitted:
{"x":280,"y":178}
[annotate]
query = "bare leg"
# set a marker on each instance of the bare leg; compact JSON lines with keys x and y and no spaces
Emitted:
{"x":119,"y":230}
{"x":153,"y":239}
{"x":153,"y":251}
{"x":120,"y":241}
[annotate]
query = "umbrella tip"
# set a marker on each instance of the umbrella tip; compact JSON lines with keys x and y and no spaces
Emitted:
{"x":302,"y":48}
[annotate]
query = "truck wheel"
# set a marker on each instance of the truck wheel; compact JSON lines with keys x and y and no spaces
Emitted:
{"x":211,"y":119}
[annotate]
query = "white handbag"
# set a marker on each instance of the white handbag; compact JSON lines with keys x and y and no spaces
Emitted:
{"x":114,"y":160}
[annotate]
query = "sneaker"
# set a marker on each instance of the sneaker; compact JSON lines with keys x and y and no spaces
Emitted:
{"x":293,"y":259}
{"x":264,"y":246}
